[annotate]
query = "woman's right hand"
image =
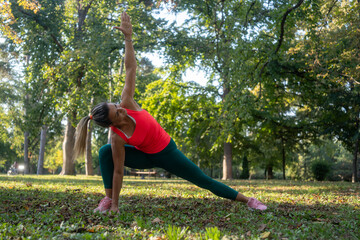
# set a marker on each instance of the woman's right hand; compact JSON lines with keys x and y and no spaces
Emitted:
{"x":114,"y":210}
{"x":125,"y":27}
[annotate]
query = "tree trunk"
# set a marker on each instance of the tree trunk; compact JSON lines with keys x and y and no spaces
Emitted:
{"x":88,"y":156}
{"x":40,"y":167}
{"x":68,"y":145}
{"x":283,"y":157}
{"x":26,"y":153}
{"x":69,"y":140}
{"x":269,"y":172}
{"x":227,"y":162}
{"x":355,"y":160}
{"x":26,"y":133}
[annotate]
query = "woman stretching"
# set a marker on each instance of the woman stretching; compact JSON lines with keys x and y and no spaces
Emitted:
{"x":138,"y":141}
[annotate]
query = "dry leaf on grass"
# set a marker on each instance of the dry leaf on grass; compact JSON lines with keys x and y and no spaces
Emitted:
{"x":262,"y":227}
{"x":264,"y":235}
{"x":157,"y":220}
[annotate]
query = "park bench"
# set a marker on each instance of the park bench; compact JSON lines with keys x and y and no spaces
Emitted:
{"x":151,"y":172}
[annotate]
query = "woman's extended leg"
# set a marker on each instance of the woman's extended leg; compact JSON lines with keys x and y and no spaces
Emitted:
{"x":173,"y":160}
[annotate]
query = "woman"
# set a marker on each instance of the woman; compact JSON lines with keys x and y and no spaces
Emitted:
{"x":151,"y":145}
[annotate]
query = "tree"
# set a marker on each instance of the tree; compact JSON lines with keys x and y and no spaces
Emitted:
{"x":223,"y":37}
{"x":185,"y":111}
{"x":72,"y":47}
{"x":10,"y":96}
{"x":326,"y":60}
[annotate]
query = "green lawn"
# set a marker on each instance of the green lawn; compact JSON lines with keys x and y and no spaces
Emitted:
{"x":59,"y":207}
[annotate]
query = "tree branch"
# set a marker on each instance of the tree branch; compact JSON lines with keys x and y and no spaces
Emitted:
{"x":281,"y":39}
{"x":282,"y":27}
{"x":43,"y":25}
{"x":332,"y":7}
{"x":247,"y":14}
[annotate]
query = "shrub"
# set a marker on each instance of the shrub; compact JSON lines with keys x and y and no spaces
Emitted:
{"x":245,"y":166}
{"x":320,"y":170}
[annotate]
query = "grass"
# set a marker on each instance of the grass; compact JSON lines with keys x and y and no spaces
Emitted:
{"x":60,"y":207}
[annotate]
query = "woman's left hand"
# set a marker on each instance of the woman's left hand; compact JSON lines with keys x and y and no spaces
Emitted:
{"x":125,"y":27}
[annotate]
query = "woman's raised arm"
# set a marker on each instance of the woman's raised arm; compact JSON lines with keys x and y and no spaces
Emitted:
{"x":130,"y":61}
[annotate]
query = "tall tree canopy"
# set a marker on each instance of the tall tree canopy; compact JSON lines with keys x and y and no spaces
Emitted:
{"x":282,"y":75}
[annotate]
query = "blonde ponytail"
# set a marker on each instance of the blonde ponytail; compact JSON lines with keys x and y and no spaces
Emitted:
{"x":80,"y":137}
{"x":100,"y":116}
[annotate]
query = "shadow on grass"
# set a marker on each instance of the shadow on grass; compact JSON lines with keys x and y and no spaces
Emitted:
{"x":85,"y":180}
{"x":70,"y":201}
{"x":48,"y":178}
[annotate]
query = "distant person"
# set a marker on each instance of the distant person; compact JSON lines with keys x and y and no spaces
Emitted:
{"x":138,"y":141}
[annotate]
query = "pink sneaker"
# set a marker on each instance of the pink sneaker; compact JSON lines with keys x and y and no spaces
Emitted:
{"x":256,"y":204}
{"x":104,"y":205}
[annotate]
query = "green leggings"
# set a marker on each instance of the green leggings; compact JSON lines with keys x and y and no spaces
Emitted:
{"x":171,"y":159}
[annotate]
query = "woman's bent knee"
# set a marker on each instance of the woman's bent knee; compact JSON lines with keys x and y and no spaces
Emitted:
{"x":105,"y":151}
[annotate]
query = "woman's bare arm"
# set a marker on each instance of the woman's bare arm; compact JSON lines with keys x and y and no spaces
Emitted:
{"x":130,"y":60}
{"x":118,"y":154}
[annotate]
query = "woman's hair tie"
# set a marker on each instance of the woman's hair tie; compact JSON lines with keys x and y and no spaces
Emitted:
{"x":91,"y":117}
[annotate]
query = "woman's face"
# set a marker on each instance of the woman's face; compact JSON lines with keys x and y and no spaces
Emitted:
{"x":116,"y":114}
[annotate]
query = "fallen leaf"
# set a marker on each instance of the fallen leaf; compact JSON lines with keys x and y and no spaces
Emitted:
{"x":227,"y":216}
{"x":96,"y":228}
{"x":319,"y":220}
{"x":262,"y":227}
{"x":264,"y":235}
{"x":155,"y":238}
{"x":156,"y":220}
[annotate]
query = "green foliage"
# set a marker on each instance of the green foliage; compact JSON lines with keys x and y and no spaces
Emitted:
{"x":54,"y":157}
{"x":320,"y":169}
{"x":327,"y":150}
{"x":281,"y":75}
{"x":188,"y":114}
{"x":212,"y":233}
{"x":175,"y":233}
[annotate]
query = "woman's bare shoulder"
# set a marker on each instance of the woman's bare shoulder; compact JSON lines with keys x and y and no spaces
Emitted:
{"x":129,"y":103}
{"x":116,"y":139}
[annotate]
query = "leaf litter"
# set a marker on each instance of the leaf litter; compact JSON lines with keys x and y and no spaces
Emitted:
{"x":54,"y":208}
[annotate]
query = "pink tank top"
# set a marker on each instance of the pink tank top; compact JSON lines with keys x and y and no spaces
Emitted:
{"x":148,"y":136}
